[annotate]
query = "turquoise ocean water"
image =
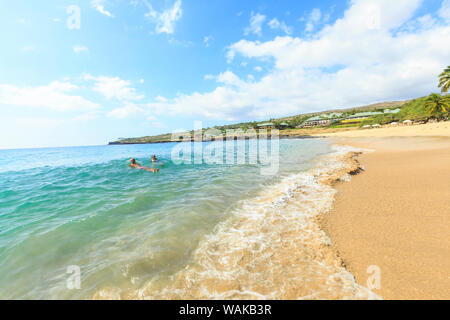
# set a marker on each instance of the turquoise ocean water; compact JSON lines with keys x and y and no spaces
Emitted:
{"x":82,"y":206}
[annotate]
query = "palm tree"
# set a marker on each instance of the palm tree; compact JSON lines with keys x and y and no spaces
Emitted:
{"x":444,"y":80}
{"x":437,"y":105}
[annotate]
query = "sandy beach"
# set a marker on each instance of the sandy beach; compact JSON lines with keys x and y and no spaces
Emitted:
{"x":439,"y":129}
{"x":396,"y":214}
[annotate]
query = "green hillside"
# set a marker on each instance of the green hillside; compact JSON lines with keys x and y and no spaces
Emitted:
{"x":415,"y":110}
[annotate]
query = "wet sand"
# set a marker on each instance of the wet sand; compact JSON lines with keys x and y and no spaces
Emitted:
{"x":396,"y":214}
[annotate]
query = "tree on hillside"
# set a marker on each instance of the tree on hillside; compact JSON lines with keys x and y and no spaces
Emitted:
{"x":277,"y":125}
{"x":437,"y":105}
{"x":444,"y":80}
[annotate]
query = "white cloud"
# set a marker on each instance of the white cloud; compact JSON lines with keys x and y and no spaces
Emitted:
{"x":161,"y":99}
{"x":275,"y":24}
{"x":80,"y":49}
{"x":207,"y":41}
{"x":230,"y":79}
{"x":258,"y":69}
{"x":444,"y":11}
{"x":129,"y":109}
{"x":181,"y":43}
{"x":354,"y":61}
{"x":425,"y":22}
{"x":165,"y":21}
{"x":114,"y":88}
{"x":256,"y":21}
{"x":98,"y":5}
{"x":230,"y":55}
{"x":313,"y":19}
{"x":54,"y":96}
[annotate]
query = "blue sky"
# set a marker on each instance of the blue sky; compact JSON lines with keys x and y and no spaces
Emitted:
{"x":133,"y":68}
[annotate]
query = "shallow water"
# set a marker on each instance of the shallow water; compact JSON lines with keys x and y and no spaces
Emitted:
{"x":190,"y":231}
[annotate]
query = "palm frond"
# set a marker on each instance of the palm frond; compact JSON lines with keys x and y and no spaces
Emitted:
{"x":444,"y":80}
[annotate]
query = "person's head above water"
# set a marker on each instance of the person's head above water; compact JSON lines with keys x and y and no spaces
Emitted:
{"x":133,"y":161}
{"x":154,"y":158}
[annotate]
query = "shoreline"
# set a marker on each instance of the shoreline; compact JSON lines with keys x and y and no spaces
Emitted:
{"x":271,"y":246}
{"x":212,"y":140}
{"x":391,"y":215}
{"x":429,"y":129}
{"x":395,"y":215}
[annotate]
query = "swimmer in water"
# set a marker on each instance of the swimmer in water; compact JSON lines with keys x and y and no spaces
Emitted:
{"x":136,"y":165}
{"x":156,"y":160}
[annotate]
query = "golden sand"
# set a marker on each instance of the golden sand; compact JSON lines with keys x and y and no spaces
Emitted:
{"x":396,"y":215}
